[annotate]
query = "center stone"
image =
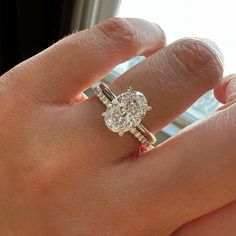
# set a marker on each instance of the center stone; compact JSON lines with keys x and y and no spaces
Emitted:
{"x":126,"y":111}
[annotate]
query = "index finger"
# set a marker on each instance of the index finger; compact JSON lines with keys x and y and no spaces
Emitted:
{"x":74,"y":63}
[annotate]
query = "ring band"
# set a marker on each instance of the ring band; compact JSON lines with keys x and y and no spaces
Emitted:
{"x":140,"y":127}
{"x":138,"y":130}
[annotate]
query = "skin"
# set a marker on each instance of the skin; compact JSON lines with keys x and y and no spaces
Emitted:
{"x":64,"y":173}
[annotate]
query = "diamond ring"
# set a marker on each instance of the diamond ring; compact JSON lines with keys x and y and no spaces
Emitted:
{"x":125,"y":113}
{"x":140,"y":127}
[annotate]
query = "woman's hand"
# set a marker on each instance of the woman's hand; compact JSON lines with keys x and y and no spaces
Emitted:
{"x":64,"y":173}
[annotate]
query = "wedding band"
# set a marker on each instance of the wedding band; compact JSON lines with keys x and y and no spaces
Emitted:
{"x":125,"y":113}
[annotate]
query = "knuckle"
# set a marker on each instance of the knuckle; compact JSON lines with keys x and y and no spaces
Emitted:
{"x":68,"y":43}
{"x":199,"y":61}
{"x":120,"y":32}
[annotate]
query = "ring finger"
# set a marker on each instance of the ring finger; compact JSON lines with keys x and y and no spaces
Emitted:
{"x":171,"y":79}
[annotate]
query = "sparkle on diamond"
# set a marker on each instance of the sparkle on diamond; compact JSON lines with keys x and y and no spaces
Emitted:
{"x":126,"y":111}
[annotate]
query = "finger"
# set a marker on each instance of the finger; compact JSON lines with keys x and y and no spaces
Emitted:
{"x":172,"y":79}
{"x":218,"y":223}
{"x":74,"y":63}
{"x":189,"y":175}
{"x":225,"y":91}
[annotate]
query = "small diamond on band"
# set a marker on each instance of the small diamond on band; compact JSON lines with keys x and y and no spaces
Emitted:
{"x":102,"y":97}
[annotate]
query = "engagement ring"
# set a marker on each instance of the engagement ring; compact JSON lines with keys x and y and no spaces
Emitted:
{"x":125,"y":113}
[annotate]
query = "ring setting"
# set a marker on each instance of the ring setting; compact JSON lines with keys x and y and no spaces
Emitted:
{"x":125,"y":112}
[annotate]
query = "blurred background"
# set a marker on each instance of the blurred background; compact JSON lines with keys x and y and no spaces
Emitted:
{"x":27,"y":27}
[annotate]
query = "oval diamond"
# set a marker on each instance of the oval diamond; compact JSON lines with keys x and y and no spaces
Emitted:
{"x":126,"y":111}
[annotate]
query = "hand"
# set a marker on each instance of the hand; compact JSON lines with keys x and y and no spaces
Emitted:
{"x":64,"y":173}
{"x":222,"y":152}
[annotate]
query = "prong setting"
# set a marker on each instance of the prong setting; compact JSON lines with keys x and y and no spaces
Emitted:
{"x":129,"y":89}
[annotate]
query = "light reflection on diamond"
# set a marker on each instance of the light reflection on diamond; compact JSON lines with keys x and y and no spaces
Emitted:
{"x":126,"y":111}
